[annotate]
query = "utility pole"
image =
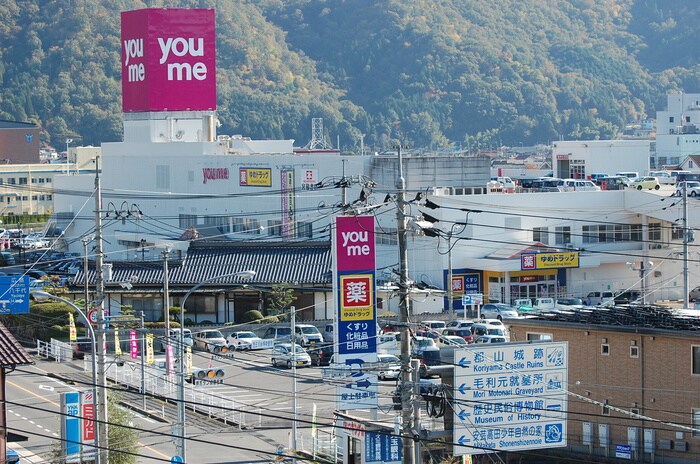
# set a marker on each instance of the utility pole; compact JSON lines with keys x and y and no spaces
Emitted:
{"x":686,"y":284}
{"x":406,"y":383}
{"x":102,"y":417}
{"x":293,"y":357}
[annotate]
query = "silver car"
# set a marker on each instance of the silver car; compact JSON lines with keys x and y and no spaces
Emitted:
{"x":498,"y":311}
{"x":282,"y":356}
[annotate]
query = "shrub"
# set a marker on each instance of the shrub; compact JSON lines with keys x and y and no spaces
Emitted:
{"x":252,"y":316}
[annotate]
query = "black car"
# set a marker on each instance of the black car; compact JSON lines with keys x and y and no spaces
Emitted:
{"x":320,"y":354}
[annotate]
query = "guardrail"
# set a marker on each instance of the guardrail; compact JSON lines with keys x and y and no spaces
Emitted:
{"x":55,"y":349}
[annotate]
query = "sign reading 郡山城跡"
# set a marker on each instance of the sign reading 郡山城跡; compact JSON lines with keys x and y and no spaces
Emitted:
{"x":553,"y":260}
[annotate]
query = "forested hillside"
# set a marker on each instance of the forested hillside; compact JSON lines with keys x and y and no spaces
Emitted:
{"x":431,"y":74}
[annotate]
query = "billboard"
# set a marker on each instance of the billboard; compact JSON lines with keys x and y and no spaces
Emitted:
{"x":554,"y":260}
{"x":355,"y":316}
{"x":168,"y":59}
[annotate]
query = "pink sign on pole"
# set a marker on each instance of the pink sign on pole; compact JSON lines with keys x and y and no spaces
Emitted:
{"x":133,"y":344}
{"x":168,"y":59}
{"x":355,"y":243}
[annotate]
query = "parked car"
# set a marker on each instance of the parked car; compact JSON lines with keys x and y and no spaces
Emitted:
{"x":175,"y":338}
{"x":420,"y":344}
{"x":573,"y":302}
{"x":598,"y":175}
{"x":664,"y":177}
{"x":389,"y":366}
{"x":694,"y":294}
{"x":489,"y":327}
{"x":282,"y":356}
{"x":280,"y":334}
{"x":598,"y":298}
{"x":436,"y":326}
{"x":321,"y":354}
{"x":211,"y":340}
{"x":389,"y":342}
{"x":627,"y":297}
{"x":307,"y":334}
{"x":692,"y":188}
{"x":429,"y":357}
{"x":81,"y":346}
{"x":645,"y":183}
{"x":578,"y":185}
{"x":243,"y":341}
{"x":7,"y":258}
{"x":613,"y":183}
{"x":498,"y":311}
{"x":328,"y":333}
{"x":491,"y":339}
{"x":463,"y":332}
{"x":631,"y":175}
{"x":455,"y":340}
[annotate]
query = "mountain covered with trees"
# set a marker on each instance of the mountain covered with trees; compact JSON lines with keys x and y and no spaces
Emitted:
{"x":438,"y":74}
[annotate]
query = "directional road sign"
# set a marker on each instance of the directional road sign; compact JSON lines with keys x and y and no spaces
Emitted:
{"x":511,"y":397}
{"x":14,"y":294}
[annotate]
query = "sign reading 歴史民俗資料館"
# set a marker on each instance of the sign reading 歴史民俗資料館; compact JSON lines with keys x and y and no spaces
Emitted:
{"x":355,"y":317}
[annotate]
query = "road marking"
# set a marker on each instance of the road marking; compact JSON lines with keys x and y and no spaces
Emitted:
{"x":46,"y":387}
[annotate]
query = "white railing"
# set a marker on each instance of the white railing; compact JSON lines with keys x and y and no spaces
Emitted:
{"x":56,"y":349}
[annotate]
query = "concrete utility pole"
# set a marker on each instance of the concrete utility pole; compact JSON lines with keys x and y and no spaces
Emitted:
{"x":686,"y":283}
{"x":406,"y":383}
{"x":101,"y":322}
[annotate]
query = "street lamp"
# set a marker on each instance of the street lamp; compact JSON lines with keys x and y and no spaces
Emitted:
{"x":181,"y":355}
{"x":43,"y":296}
{"x":68,"y":142}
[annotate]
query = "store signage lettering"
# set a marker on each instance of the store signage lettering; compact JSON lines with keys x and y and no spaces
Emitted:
{"x":214,"y":174}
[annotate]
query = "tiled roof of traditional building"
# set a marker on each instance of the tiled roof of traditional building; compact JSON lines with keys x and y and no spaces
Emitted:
{"x":11,"y":352}
{"x":296,"y":263}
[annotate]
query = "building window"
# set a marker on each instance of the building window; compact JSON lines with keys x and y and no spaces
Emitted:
{"x":605,"y":349}
{"x":535,"y":336}
{"x":274,"y":227}
{"x":22,"y":181}
{"x":655,"y":232}
{"x":540,"y":234}
{"x":562,"y":235}
{"x":670,"y":119}
{"x":187,"y":220}
{"x":590,"y":234}
{"x":387,"y":236}
{"x":606,"y":408}
{"x":49,"y":197}
{"x":34,"y":180}
{"x":49,"y":180}
{"x":696,"y":360}
{"x":11,"y":180}
{"x":304,"y":229}
{"x":634,"y":351}
{"x":35,"y":197}
{"x":41,"y":180}
{"x":696,"y":422}
{"x":163,"y":177}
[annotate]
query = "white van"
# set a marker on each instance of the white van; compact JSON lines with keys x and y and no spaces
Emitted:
{"x":578,"y":185}
{"x":598,"y":298}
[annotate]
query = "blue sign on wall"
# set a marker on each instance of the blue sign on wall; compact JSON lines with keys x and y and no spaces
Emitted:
{"x":72,"y":422}
{"x":14,"y":294}
{"x":382,"y":447}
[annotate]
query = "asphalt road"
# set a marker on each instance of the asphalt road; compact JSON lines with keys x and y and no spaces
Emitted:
{"x":260,"y":403}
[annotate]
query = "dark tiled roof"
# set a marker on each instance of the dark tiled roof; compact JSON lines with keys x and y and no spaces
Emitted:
{"x":296,"y":263}
{"x":11,"y":352}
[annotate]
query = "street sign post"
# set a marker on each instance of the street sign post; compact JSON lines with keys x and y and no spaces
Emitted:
{"x":512,"y":397}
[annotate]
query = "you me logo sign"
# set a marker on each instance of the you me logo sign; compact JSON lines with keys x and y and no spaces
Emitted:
{"x":168,"y":60}
{"x":354,"y":285}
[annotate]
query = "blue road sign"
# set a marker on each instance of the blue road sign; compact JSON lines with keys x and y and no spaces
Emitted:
{"x":14,"y":294}
{"x":176,"y":459}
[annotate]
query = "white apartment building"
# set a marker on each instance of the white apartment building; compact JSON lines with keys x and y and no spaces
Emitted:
{"x":678,"y":129}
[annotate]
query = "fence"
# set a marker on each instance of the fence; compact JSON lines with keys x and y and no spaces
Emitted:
{"x":56,"y":349}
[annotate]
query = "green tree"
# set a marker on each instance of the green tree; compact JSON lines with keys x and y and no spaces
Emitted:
{"x":279,"y":299}
{"x":122,"y":437}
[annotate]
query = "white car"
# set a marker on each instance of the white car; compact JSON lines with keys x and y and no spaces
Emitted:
{"x":453,"y":340}
{"x":282,"y":356}
{"x":389,"y":366}
{"x":244,"y":340}
{"x":692,"y":188}
{"x":211,"y":340}
{"x":491,"y":339}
